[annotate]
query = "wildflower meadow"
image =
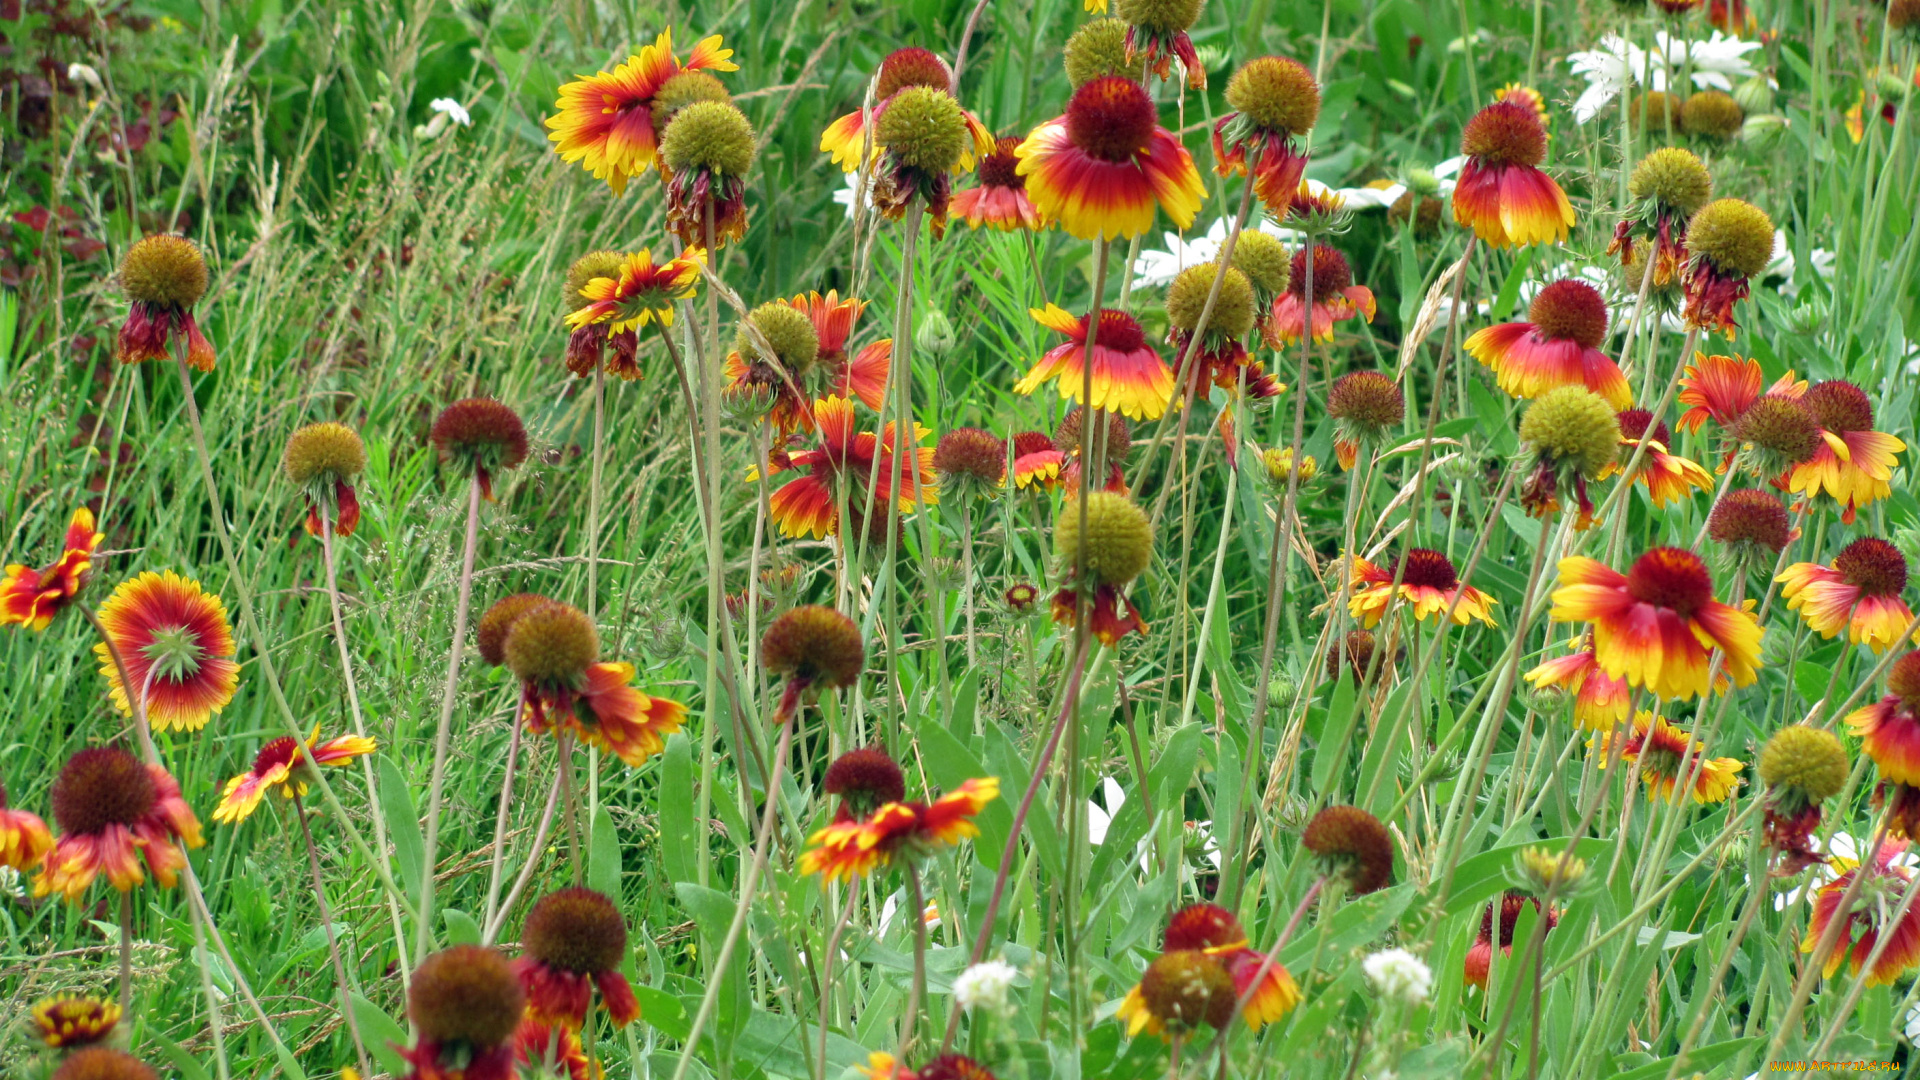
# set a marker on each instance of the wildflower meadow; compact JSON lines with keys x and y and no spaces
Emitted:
{"x":958,"y":539}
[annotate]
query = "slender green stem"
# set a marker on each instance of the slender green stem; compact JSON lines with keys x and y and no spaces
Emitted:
{"x":340,"y":977}
{"x":443,"y":731}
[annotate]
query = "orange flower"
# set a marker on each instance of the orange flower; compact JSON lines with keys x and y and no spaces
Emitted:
{"x":1855,"y":464}
{"x":1036,"y":461}
{"x":1129,"y":377}
{"x":644,"y":292}
{"x":1869,"y":919}
{"x":1666,"y":756}
{"x":1859,"y":593}
{"x":1001,"y":200}
{"x":1889,"y":729}
{"x":606,"y":122}
{"x":113,"y":812}
{"x":1723,"y":387}
{"x":808,"y":504}
{"x":1667,"y":477}
{"x":1600,"y":700}
{"x":864,"y":375}
{"x":1102,"y":167}
{"x":1501,"y":192}
{"x":855,"y":847}
{"x":538,"y":1046}
{"x":1335,"y":298}
{"x":1559,"y":346}
{"x":608,"y":713}
{"x":902,"y":69}
{"x":1655,"y":626}
{"x":1429,"y":584}
{"x":24,"y":839}
{"x":30,"y":597}
{"x":282,"y":765}
{"x":1479,"y":963}
{"x":177,"y":646}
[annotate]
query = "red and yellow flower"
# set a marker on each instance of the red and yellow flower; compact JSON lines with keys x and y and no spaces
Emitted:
{"x":1501,"y":192}
{"x":1102,"y":168}
{"x":1275,"y":101}
{"x":164,"y":276}
{"x":607,"y":122}
{"x":1001,"y":200}
{"x":282,"y":766}
{"x":1657,"y":625}
{"x":608,"y":713}
{"x":575,"y":940}
{"x":1600,"y":701}
{"x":1667,"y":477}
{"x":71,"y":1021}
{"x":1335,"y":298}
{"x":24,"y":839}
{"x":1215,"y":932}
{"x":1036,"y":461}
{"x":1721,"y":388}
{"x":1667,"y":755}
{"x":899,"y":830}
{"x":30,"y":597}
{"x":808,"y":504}
{"x":1870,"y":919}
{"x":1889,"y":729}
{"x":1558,"y":346}
{"x":1428,"y":584}
{"x":1858,"y":593}
{"x":644,"y":292}
{"x":903,"y":69}
{"x":862,"y":376}
{"x":1479,"y":962}
{"x":552,"y":1047}
{"x":1856,"y":463}
{"x":1128,"y":376}
{"x":178,"y":648}
{"x":114,"y":813}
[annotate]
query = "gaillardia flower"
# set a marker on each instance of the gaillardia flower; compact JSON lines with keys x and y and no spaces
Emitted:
{"x":807,"y":336}
{"x":24,"y":839}
{"x":923,"y":138}
{"x":1723,"y":388}
{"x":1178,"y":993}
{"x":864,"y":780}
{"x":1100,"y":561}
{"x":1275,"y":100}
{"x":1365,"y":407}
{"x":1729,"y":241}
{"x":1870,"y":919}
{"x":1097,"y":49}
{"x":1712,"y":115}
{"x":1213,"y":931}
{"x":638,"y":292}
{"x":177,"y":646}
{"x":1600,"y":701}
{"x":883,"y":1066}
{"x":1889,"y":729}
{"x":588,"y":344}
{"x":71,"y":1021}
{"x":30,"y":597}
{"x":1219,"y":355}
{"x":970,"y":462}
{"x":1752,"y":525}
{"x":1036,"y":461}
{"x":1355,"y":651}
{"x":1853,"y":463}
{"x":1352,"y":846}
{"x":1656,"y":625}
{"x":466,"y":1004}
{"x":1802,"y":767}
{"x":1102,"y":167}
{"x":113,"y":813}
{"x":611,"y":123}
{"x":554,"y":651}
{"x":705,"y":154}
{"x":1558,"y":346}
{"x":1858,"y":593}
{"x":163,"y":276}
{"x":1667,"y":477}
{"x":1668,"y":187}
{"x":491,"y":634}
{"x":1129,"y":377}
{"x":813,"y":647}
{"x":897,"y":831}
{"x":1335,"y":297}
{"x":575,"y":941}
{"x":1428,"y":583}
{"x":1001,"y":200}
{"x":1157,"y":35}
{"x":808,"y":504}
{"x":282,"y":765}
{"x":322,"y":461}
{"x":1501,"y":193}
{"x":1666,"y":756}
{"x":903,"y":70}
{"x":482,"y":435}
{"x":551,"y":1050}
{"x":1479,"y":962}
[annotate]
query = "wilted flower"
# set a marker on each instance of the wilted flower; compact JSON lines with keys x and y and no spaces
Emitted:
{"x":1751,"y":524}
{"x":1275,"y":101}
{"x":163,"y":276}
{"x":1365,"y":407}
{"x":322,"y":461}
{"x":704,"y":155}
{"x":1802,"y":767}
{"x":619,"y":302}
{"x":1668,"y":187}
{"x":113,"y":813}
{"x":1729,"y":241}
{"x":482,"y":435}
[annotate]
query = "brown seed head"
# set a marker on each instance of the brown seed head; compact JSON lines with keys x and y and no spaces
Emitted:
{"x":1780,"y":427}
{"x":1186,"y":989}
{"x":970,"y":460}
{"x":325,"y":452}
{"x":1277,"y":94}
{"x":1505,"y":133}
{"x":1839,"y":406}
{"x":816,"y":645}
{"x":1570,"y":310}
{"x":101,"y":786}
{"x":492,"y":632}
{"x":1111,"y":119}
{"x":1352,"y":843}
{"x":552,"y":644}
{"x":1369,"y":401}
{"x":865,"y":779}
{"x":576,"y":930}
{"x":480,"y":433}
{"x":166,"y":270}
{"x":1750,"y":518}
{"x":103,"y":1063}
{"x":466,"y":994}
{"x":1066,"y":437}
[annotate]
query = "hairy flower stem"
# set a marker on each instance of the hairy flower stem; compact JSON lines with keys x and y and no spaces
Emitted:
{"x":1233,"y":880}
{"x":593,"y":489}
{"x":966,"y":593}
{"x":443,"y":733}
{"x":709,"y":378}
{"x":905,"y":449}
{"x":333,"y":944}
{"x":576,"y":844}
{"x":749,"y":882}
{"x":500,"y":822}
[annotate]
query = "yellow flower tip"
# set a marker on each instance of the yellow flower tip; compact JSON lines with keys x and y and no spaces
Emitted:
{"x":1233,"y":311}
{"x":1808,"y":760}
{"x":1277,"y":94}
{"x":1546,"y":868}
{"x":552,"y":645}
{"x":164,"y":269}
{"x":1160,"y":16}
{"x":1096,"y":50}
{"x":324,"y":452}
{"x":1735,"y":237}
{"x":924,"y":129}
{"x":682,"y":90}
{"x":1574,"y":428}
{"x":1264,"y":260}
{"x":710,"y":135}
{"x":1712,"y":114}
{"x":1117,"y":544}
{"x":586,"y":268}
{"x":791,"y":334}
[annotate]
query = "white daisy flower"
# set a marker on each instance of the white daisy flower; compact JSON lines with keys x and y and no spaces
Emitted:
{"x":454,"y":111}
{"x":1400,"y":976}
{"x":985,"y":985}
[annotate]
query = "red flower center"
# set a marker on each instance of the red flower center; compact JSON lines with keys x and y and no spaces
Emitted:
{"x":1570,"y":310}
{"x":1001,"y":168}
{"x":1750,"y":517}
{"x":1111,"y":119}
{"x":865,"y":779}
{"x":1671,"y":578}
{"x":1429,"y":569}
{"x":1633,"y":425}
{"x":912,"y":67}
{"x":281,"y":751}
{"x":1118,"y":332}
{"x":1903,"y":681}
{"x":1331,"y":274}
{"x":1031,"y":442}
{"x":1505,"y":133}
{"x":1839,"y":406}
{"x":1873,"y":566}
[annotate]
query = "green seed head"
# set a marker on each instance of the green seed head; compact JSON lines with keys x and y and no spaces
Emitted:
{"x":552,"y":645}
{"x":1264,"y":260}
{"x":1735,"y":237}
{"x":1574,"y":428}
{"x":1277,"y":94}
{"x":1160,"y":16}
{"x":594,"y":264}
{"x":682,"y":90}
{"x":1712,"y":114}
{"x":1117,"y":544}
{"x":1674,"y":178}
{"x":795,"y":342}
{"x":164,"y":269}
{"x":924,"y":129}
{"x":1808,"y":760}
{"x":711,"y":135}
{"x":1097,"y":50}
{"x":324,"y":452}
{"x":1232,"y":312}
